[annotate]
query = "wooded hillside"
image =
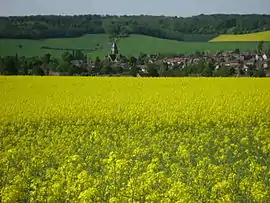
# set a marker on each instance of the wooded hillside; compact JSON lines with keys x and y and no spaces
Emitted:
{"x":196,"y":28}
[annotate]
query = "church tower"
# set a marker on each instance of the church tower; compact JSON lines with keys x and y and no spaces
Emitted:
{"x":114,"y":49}
{"x":114,"y":54}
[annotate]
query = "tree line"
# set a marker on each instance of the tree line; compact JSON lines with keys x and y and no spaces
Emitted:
{"x":76,"y":63}
{"x":15,"y":65}
{"x":196,"y":28}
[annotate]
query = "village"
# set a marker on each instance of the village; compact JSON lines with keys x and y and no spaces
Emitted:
{"x":256,"y":63}
{"x":234,"y":63}
{"x":77,"y":62}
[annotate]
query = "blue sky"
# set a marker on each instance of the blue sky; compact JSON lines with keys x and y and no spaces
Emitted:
{"x":119,"y":7}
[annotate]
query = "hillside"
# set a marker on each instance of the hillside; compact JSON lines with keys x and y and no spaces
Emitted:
{"x":133,"y":45}
{"x":202,"y":27}
{"x":253,"y":37}
{"x":34,"y":47}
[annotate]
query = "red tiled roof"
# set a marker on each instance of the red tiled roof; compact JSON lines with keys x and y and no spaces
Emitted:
{"x":175,"y":60}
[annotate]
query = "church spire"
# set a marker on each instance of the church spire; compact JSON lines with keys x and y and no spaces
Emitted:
{"x":114,"y":53}
{"x":114,"y":49}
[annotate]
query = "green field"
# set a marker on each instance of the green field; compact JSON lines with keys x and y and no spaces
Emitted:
{"x":133,"y":45}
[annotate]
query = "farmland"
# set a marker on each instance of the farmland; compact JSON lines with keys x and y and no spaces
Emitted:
{"x":91,"y":139}
{"x":133,"y":45}
{"x":253,"y":37}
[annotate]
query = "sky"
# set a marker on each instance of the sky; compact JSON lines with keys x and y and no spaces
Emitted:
{"x":182,"y":8}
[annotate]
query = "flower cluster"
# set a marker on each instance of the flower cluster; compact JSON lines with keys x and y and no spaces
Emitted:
{"x":86,"y":139}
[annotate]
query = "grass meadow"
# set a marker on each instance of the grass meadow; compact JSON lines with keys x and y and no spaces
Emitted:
{"x":131,"y":46}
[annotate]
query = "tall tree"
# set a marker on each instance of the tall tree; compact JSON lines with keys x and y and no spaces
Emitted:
{"x":152,"y":70}
{"x":67,"y":57}
{"x":97,"y":65}
{"x":260,"y":46}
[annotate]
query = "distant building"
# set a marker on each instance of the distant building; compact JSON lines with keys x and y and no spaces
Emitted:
{"x":77,"y":63}
{"x":114,"y":48}
{"x":114,"y":55}
{"x":52,"y":73}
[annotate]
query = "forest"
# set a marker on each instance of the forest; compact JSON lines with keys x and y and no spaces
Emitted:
{"x":196,"y":28}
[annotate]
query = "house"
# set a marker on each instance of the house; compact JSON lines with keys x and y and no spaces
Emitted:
{"x":174,"y":61}
{"x":233,"y":64}
{"x":144,"y":70}
{"x":77,"y":63}
{"x":257,"y":57}
{"x":52,"y":73}
{"x":245,"y":68}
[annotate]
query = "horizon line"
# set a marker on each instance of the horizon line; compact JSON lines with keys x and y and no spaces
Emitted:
{"x":134,"y":15}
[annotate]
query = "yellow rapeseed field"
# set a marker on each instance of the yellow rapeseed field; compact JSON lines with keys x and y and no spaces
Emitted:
{"x":256,"y":37}
{"x":84,"y":139}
